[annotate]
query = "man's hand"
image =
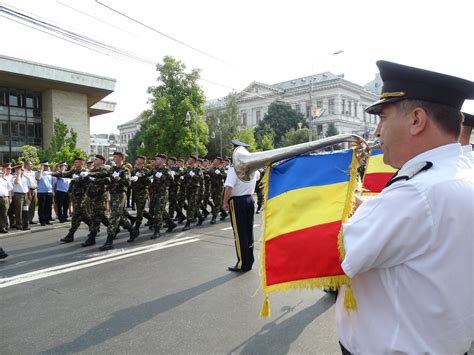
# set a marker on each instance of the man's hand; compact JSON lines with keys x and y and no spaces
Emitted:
{"x":226,"y":206}
{"x":357,"y":203}
{"x":116,"y":175}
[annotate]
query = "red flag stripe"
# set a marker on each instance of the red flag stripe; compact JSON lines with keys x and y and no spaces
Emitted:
{"x":375,"y":182}
{"x":304,"y":254}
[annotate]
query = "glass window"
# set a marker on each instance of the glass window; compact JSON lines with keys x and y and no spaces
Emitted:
{"x":244,"y":119}
{"x":349,"y":108}
{"x":331,"y":106}
{"x":343,"y":106}
{"x":3,"y":97}
{"x":308,"y":110}
{"x":355,"y":109}
{"x":258,"y":115}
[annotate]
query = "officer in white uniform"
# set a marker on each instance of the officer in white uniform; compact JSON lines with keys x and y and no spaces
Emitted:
{"x":239,"y":202}
{"x":410,"y":250}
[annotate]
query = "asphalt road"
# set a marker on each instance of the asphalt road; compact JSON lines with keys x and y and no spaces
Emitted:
{"x":172,"y":295}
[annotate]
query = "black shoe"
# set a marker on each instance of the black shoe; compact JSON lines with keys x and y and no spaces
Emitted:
{"x":234,"y":268}
{"x":205,"y":214}
{"x":43,"y":224}
{"x":31,"y":222}
{"x":171,"y":227}
{"x":3,"y":255}
{"x":106,"y":246}
{"x":69,"y":238}
{"x":147,"y":224}
{"x":89,"y":241}
{"x":223,"y":216}
{"x":3,"y":230}
{"x":26,"y":228}
{"x":187,"y":226}
{"x":49,"y":223}
{"x":156,"y":234}
{"x":134,"y":233}
{"x":200,"y":220}
{"x":181,"y":219}
{"x":213,"y":220}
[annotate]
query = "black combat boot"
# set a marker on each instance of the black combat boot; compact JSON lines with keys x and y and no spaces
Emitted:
{"x":3,"y":255}
{"x":213,"y":220}
{"x":181,"y":217}
{"x":90,"y":240}
{"x":69,"y":238}
{"x":108,"y":243}
{"x":200,"y":220}
{"x":137,"y":227}
{"x":223,"y":215}
{"x":156,"y":234}
{"x":205,"y":214}
{"x":171,"y":226}
{"x":187,"y":226}
{"x":133,"y":232}
{"x":259,"y":208}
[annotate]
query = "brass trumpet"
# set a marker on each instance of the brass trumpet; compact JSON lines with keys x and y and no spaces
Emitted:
{"x":246,"y":163}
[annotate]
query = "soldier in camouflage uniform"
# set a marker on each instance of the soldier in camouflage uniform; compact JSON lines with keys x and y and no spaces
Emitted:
{"x":77,"y":188}
{"x":206,"y":197}
{"x":225,"y":168}
{"x":192,"y":177}
{"x":162,"y":179}
{"x":174,"y":186}
{"x":119,"y":182}
{"x":140,"y":182}
{"x":217,"y":178}
{"x":179,"y":177}
{"x":259,"y":190}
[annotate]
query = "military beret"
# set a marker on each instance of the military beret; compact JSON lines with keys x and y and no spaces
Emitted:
{"x":218,"y":158}
{"x":180,"y":161}
{"x":61,"y":163}
{"x":141,"y":157}
{"x":200,"y":160}
{"x":160,"y":156}
{"x":402,"y":82}
{"x":118,"y":153}
{"x":172,"y":158}
{"x":468,"y":119}
{"x":101,"y":157}
{"x":44,"y":162}
{"x":7,"y":166}
{"x":89,"y":162}
{"x":193,"y":157}
{"x":80,"y":158}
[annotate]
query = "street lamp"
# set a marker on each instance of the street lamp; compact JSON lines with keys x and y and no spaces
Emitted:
{"x":310,"y":118}
{"x":188,"y":119}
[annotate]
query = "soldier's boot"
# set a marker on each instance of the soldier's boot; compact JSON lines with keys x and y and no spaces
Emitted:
{"x":181,"y":217}
{"x":133,"y":233}
{"x":213,"y":220}
{"x":132,"y":219}
{"x":137,"y":227}
{"x":69,"y":238}
{"x":156,"y":234}
{"x":108,"y":243}
{"x":90,"y":240}
{"x":259,"y":208}
{"x":223,"y":215}
{"x":187,"y":226}
{"x":200,"y":220}
{"x":3,"y":255}
{"x":171,"y":226}
{"x":205,"y":213}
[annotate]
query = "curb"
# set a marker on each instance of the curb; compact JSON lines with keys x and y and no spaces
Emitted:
{"x":35,"y":229}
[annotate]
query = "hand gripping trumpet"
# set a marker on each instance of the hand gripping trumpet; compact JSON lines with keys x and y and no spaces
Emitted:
{"x":245,"y":163}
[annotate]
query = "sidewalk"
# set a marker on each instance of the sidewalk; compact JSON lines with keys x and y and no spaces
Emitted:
{"x":35,"y":228}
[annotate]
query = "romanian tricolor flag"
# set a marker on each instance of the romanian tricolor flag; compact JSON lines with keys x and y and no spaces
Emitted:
{"x":377,"y":174}
{"x":307,"y":199}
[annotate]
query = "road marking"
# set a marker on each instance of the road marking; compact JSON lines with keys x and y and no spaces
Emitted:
{"x":78,"y":265}
{"x":229,"y":228}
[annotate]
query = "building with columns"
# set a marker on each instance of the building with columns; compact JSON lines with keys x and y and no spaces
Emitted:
{"x":128,"y":130}
{"x":33,"y":95}
{"x":335,"y":99}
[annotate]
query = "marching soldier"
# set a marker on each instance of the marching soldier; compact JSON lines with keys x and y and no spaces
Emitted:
{"x":119,"y":182}
{"x":140,"y":182}
{"x":179,"y":177}
{"x":77,"y":188}
{"x":259,"y":191}
{"x":216,"y":178}
{"x":192,"y":179}
{"x":207,"y":189}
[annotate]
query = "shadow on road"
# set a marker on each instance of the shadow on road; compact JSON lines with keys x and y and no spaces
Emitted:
{"x":126,"y":319}
{"x":275,"y":338}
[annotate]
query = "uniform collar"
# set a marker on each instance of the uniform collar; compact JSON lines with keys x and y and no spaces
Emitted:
{"x":445,"y":151}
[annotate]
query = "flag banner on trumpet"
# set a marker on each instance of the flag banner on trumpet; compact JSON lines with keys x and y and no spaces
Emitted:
{"x":307,"y":199}
{"x":377,"y":174}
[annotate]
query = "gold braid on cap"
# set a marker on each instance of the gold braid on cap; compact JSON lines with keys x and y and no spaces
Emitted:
{"x":385,"y":95}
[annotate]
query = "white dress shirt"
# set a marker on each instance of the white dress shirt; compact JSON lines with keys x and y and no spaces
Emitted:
{"x":26,"y":183}
{"x":239,"y":187}
{"x":410,"y":254}
{"x":5,"y":186}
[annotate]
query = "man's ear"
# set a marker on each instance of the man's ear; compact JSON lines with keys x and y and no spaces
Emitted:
{"x":418,"y":121}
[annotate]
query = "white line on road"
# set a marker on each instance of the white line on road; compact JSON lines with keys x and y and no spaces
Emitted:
{"x":229,"y":228}
{"x":111,"y":256}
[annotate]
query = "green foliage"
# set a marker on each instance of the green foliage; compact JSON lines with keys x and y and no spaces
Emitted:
{"x":165,"y":127}
{"x":134,"y":145}
{"x":247,"y":136}
{"x":63,"y":145}
{"x":280,"y":118}
{"x":295,"y":136}
{"x":266,"y":142}
{"x":332,"y":130}
{"x":223,"y":121}
{"x":29,"y":152}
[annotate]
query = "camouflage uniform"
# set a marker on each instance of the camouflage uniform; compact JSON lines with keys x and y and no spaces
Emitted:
{"x":118,"y":196}
{"x":162,"y":179}
{"x":140,"y":192}
{"x":179,"y":176}
{"x":173,"y":192}
{"x":97,"y":194}
{"x":192,"y":180}
{"x":259,"y":190}
{"x":217,"y":178}
{"x":207,"y":193}
{"x":77,"y":188}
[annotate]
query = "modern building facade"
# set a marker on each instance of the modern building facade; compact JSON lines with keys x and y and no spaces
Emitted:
{"x":105,"y":145}
{"x":33,"y":95}
{"x":128,"y":130}
{"x":330,"y":98}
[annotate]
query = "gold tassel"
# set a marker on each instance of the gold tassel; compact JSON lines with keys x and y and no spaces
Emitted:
{"x":265,"y":311}
{"x":349,"y":299}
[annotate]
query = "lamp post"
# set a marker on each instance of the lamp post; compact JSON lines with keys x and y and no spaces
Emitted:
{"x":188,"y":118}
{"x":310,"y":118}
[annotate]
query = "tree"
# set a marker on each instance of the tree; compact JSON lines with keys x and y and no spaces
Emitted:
{"x":30,"y":152}
{"x":223,"y":121}
{"x":247,"y":136}
{"x":63,"y":144}
{"x":280,"y":118}
{"x":134,"y":145}
{"x":266,"y":142}
{"x":165,"y":127}
{"x":332,"y":131}
{"x":295,"y":136}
